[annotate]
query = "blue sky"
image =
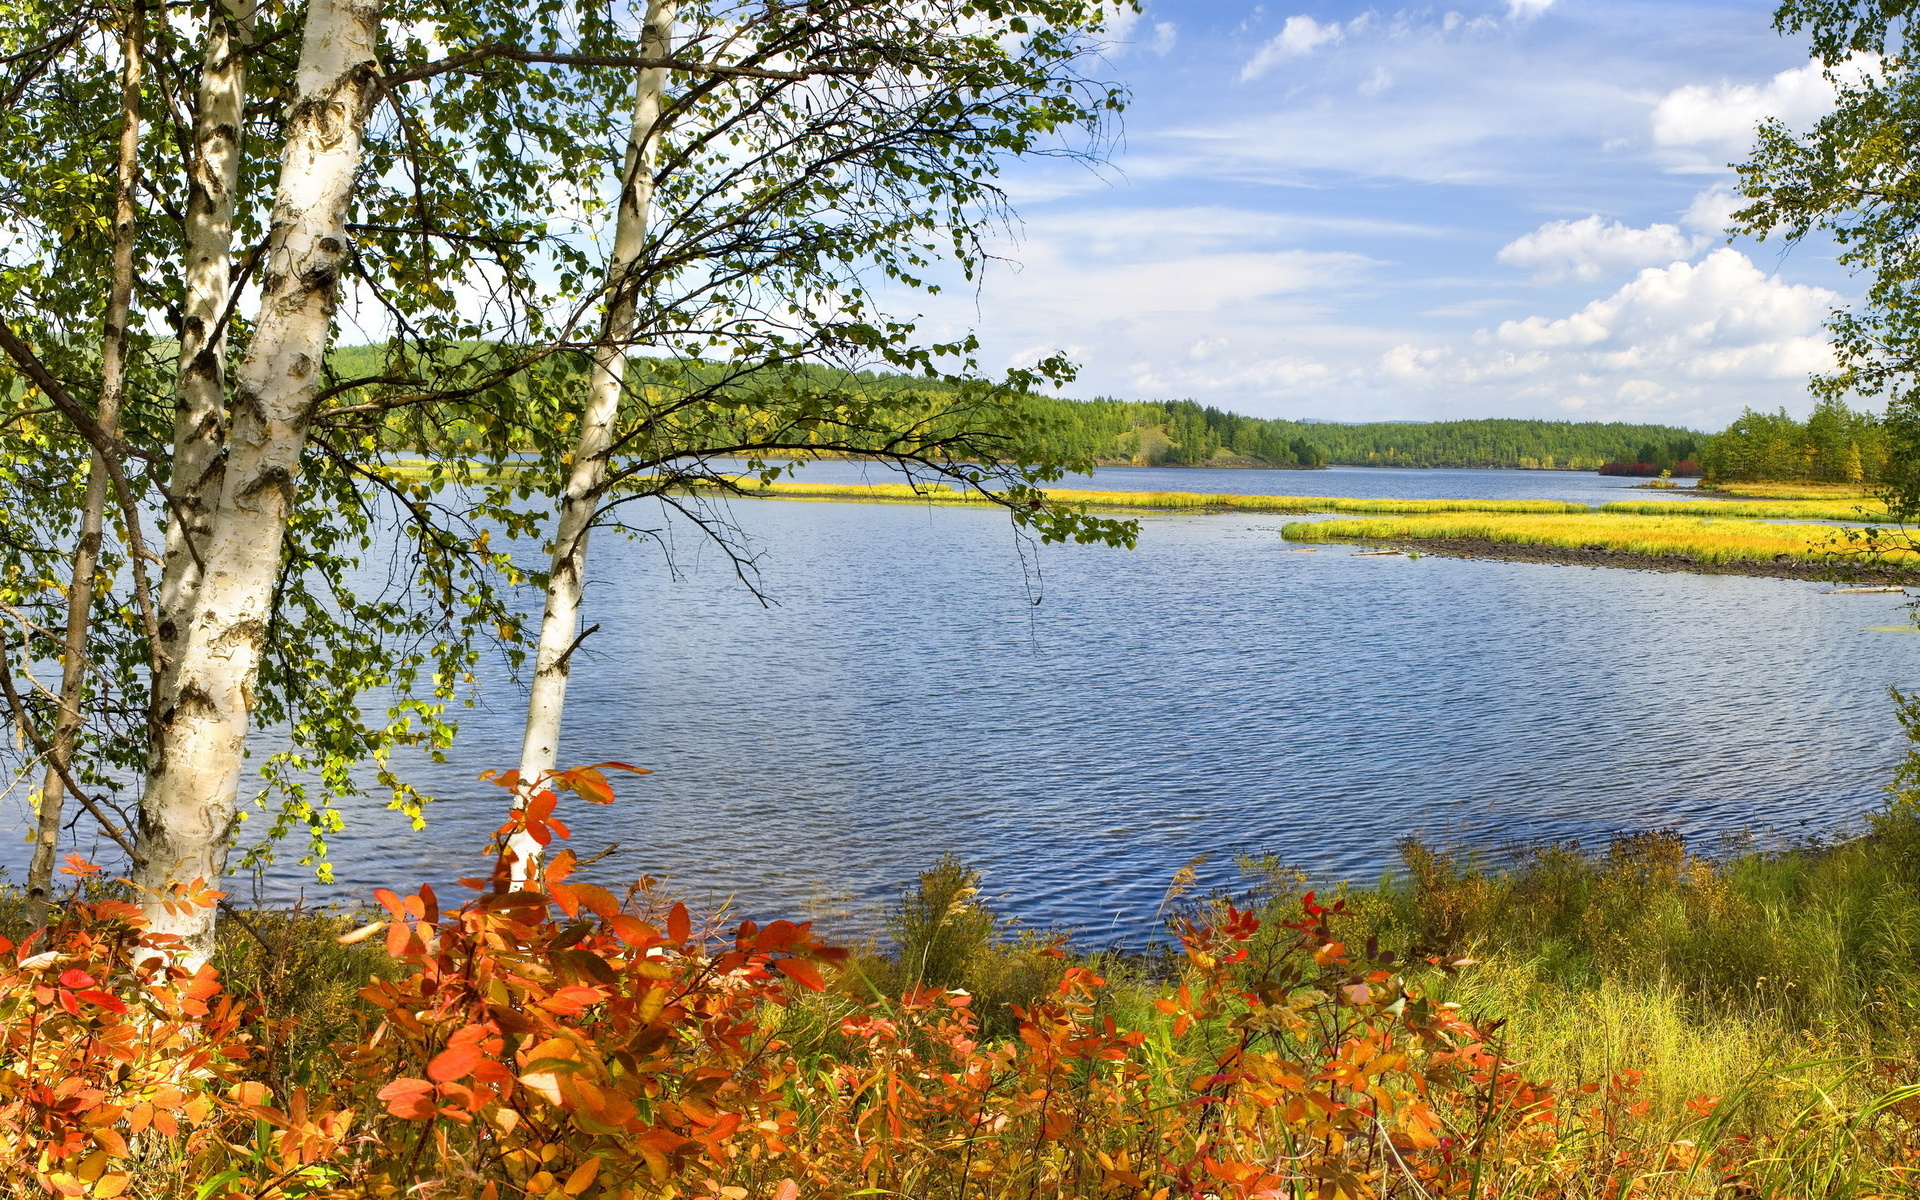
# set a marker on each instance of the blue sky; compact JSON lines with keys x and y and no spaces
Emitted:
{"x":1508,"y":208}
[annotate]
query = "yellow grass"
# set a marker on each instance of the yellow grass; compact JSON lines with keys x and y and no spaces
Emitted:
{"x":1794,"y":491}
{"x":942,"y":494}
{"x":1855,"y":509}
{"x":1704,"y":540}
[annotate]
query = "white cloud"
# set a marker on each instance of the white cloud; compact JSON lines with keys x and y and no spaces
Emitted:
{"x":1675,"y":340}
{"x":1378,"y":82}
{"x":1526,"y":10}
{"x":1300,"y":36}
{"x":1707,"y":126}
{"x":1712,"y":211}
{"x":1164,"y":35}
{"x":1593,"y":247}
{"x":1120,"y":22}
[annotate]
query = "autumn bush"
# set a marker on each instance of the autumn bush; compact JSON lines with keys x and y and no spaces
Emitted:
{"x":552,"y":1038}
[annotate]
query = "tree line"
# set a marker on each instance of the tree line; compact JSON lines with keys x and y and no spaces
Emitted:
{"x":1185,"y":433}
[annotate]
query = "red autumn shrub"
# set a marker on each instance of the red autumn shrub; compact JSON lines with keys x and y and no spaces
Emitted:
{"x":104,"y":1043}
{"x":547,"y":1038}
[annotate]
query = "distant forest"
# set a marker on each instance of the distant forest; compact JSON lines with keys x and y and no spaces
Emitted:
{"x":1183,"y":433}
{"x":1834,"y":444}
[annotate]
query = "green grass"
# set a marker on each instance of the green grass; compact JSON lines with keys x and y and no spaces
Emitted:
{"x":1705,"y":975}
{"x":1701,"y":539}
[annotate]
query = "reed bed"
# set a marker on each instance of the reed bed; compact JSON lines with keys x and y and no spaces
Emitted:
{"x":1802,"y":490}
{"x":1175,"y":501}
{"x":1855,"y":509}
{"x":1704,"y":540}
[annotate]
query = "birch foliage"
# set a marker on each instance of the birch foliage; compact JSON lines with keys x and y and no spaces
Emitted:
{"x":1855,"y":177}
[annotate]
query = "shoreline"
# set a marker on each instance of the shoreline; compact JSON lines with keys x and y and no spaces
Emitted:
{"x":1580,"y":556}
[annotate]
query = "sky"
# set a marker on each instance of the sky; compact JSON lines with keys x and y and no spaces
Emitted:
{"x":1509,"y":208}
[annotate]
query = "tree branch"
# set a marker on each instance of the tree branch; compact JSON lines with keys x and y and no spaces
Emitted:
{"x":109,"y":449}
{"x":499,"y":50}
{"x":43,"y":748}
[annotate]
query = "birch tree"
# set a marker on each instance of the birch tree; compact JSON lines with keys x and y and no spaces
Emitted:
{"x":812,"y":149}
{"x":586,"y":480}
{"x":193,"y":781}
{"x":781,"y":190}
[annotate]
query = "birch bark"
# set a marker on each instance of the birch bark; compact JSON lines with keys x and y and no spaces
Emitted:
{"x":586,"y":483}
{"x":193,"y":780}
{"x":213,"y":180}
{"x":86,"y":552}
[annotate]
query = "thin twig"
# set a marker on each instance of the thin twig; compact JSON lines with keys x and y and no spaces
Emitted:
{"x":45,"y":749}
{"x":109,"y":449}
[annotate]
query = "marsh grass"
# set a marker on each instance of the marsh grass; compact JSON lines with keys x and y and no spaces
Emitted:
{"x":1790,"y":491}
{"x":1856,"y":509}
{"x":1176,"y":501}
{"x":1702,"y":539}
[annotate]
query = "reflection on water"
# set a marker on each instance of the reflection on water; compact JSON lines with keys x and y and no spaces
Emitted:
{"x":1211,"y":691}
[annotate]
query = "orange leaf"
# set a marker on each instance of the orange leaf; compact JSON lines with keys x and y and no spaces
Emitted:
{"x":461,"y":1057}
{"x":410,"y":1099}
{"x":562,"y":866}
{"x":106,"y":1000}
{"x":79,"y":866}
{"x":572,"y":999}
{"x":801,"y":972}
{"x":582,"y":1177}
{"x":679,"y":925}
{"x":620,"y":766}
{"x":588,"y":784}
{"x":596,"y":899}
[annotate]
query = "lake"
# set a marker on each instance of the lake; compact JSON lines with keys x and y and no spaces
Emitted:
{"x":1213,"y":691}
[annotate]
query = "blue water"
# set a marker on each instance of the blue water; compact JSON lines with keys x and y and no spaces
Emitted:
{"x":1212,"y":691}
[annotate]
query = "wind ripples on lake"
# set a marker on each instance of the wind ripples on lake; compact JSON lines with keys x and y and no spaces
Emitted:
{"x":1213,"y":691}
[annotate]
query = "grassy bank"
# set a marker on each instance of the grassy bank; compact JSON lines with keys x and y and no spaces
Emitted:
{"x":1854,"y":509}
{"x":1693,"y":539}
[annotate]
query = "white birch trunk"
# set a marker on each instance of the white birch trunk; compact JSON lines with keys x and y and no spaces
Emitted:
{"x":193,"y":781}
{"x":213,"y":178}
{"x":86,"y":551}
{"x":586,"y":483}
